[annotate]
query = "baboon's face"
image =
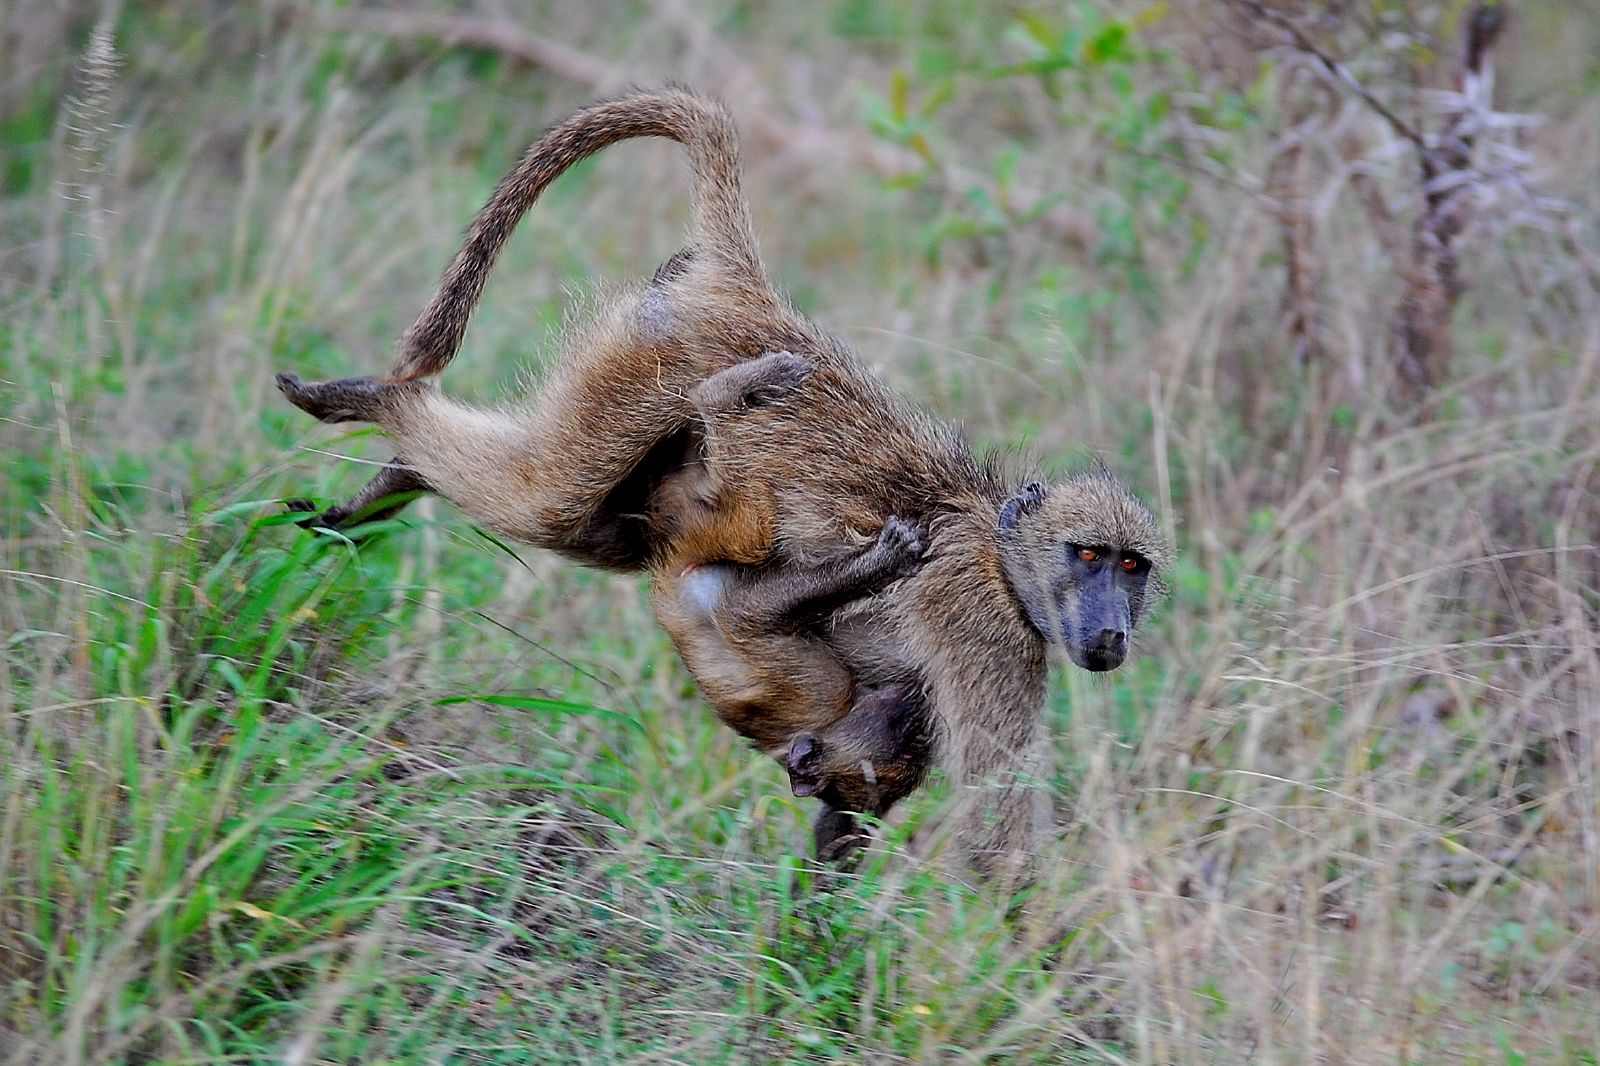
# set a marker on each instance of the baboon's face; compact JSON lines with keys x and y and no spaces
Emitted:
{"x":1081,"y":556}
{"x":1097,"y":603}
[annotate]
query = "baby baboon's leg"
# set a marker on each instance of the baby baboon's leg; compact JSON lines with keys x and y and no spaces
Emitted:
{"x":757,"y":382}
{"x":790,"y":599}
{"x":766,"y":686}
{"x":385,"y":496}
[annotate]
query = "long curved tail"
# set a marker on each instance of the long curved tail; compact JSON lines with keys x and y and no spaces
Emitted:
{"x":720,"y":220}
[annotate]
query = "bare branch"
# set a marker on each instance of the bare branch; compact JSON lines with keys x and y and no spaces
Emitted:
{"x":1337,"y":70}
{"x":496,"y":36}
{"x":808,"y":139}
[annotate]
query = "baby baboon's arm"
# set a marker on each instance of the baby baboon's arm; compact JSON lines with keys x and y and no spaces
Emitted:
{"x":790,"y":599}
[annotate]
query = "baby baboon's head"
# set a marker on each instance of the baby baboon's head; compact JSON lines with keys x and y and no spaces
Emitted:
{"x":872,"y":758}
{"x":1083,"y":556}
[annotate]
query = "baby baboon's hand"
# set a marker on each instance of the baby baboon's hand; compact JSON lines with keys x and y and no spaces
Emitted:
{"x":1023,"y":503}
{"x":900,"y":546}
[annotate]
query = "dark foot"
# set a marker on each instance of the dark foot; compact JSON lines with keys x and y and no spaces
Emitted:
{"x":837,"y":837}
{"x":344,"y":400}
{"x":336,"y":518}
{"x":758,"y":382}
{"x":300,"y":505}
{"x":385,"y":496}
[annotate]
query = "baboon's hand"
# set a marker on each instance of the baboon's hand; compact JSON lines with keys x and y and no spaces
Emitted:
{"x":1023,"y":503}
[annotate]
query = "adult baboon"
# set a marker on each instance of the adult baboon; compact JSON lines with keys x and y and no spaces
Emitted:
{"x":798,"y":481}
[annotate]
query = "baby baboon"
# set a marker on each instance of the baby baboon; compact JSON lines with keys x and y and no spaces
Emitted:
{"x":1070,"y":563}
{"x":751,"y":635}
{"x":752,"y":638}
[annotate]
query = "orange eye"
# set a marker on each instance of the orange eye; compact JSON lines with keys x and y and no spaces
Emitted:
{"x":1088,"y":555}
{"x":1130,"y":563}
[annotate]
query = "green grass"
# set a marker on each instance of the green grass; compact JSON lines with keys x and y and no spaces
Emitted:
{"x":267,"y":795}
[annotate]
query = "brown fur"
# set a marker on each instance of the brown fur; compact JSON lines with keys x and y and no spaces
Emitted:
{"x":751,"y":636}
{"x":791,"y":481}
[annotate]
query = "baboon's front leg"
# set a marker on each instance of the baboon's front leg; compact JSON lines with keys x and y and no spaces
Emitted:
{"x":385,"y":496}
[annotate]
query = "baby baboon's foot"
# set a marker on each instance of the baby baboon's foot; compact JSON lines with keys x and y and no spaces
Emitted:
{"x":837,"y":838}
{"x":804,"y":763}
{"x":758,"y":382}
{"x":345,"y":400}
{"x":781,"y":374}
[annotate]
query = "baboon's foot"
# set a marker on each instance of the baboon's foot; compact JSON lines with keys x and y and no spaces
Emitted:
{"x":385,"y":496}
{"x":332,"y":518}
{"x":782,"y":374}
{"x":345,"y":400}
{"x":837,"y":837}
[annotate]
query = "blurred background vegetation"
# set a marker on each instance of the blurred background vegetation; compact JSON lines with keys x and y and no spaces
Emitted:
{"x":1322,"y":279}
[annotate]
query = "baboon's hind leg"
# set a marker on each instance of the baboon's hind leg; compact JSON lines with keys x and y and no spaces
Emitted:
{"x":362,"y":399}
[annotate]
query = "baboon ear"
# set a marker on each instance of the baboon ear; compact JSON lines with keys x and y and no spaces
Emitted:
{"x":1023,"y":503}
{"x":803,"y":764}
